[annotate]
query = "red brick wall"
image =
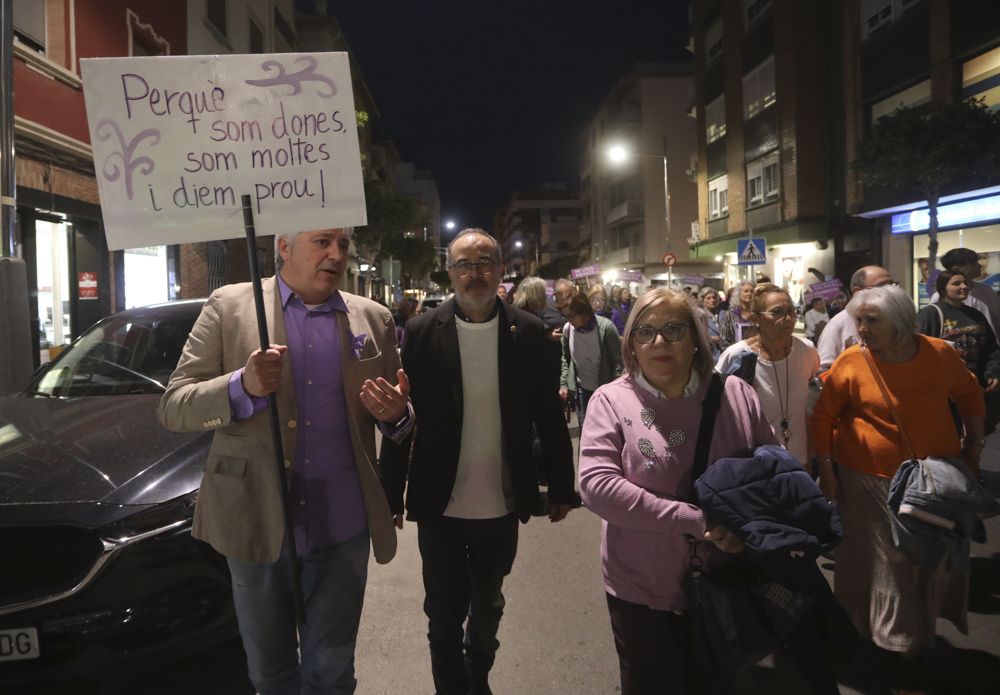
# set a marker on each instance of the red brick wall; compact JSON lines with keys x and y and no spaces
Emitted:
{"x":732,"y":50}
{"x":102,"y":30}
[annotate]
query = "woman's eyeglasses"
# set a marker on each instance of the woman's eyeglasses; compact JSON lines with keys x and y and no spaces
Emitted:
{"x":671,"y":332}
{"x":781,"y":313}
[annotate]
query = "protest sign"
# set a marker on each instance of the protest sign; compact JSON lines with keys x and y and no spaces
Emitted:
{"x":828,"y":290}
{"x":585,"y":271}
{"x":178,"y":140}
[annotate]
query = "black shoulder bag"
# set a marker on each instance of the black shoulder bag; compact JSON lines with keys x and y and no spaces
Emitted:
{"x":737,"y":615}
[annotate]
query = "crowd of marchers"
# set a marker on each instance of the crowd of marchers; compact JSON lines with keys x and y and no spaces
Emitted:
{"x":699,"y":419}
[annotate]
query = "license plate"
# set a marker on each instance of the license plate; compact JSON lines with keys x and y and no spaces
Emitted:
{"x":18,"y":644}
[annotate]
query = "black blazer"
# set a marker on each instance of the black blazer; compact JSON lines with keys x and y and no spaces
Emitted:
{"x":426,"y":462}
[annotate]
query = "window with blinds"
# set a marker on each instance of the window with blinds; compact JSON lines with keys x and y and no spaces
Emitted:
{"x":29,"y":23}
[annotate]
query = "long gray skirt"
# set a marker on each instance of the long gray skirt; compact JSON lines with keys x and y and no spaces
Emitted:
{"x":890,"y":599}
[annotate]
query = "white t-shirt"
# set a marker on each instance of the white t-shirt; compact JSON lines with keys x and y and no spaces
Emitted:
{"x":773,"y":387}
{"x":585,"y":350}
{"x":812,"y":319}
{"x":479,"y":482}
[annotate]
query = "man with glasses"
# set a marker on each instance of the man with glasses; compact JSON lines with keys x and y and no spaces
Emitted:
{"x":841,"y":332}
{"x":480,"y":388}
{"x":554,"y":315}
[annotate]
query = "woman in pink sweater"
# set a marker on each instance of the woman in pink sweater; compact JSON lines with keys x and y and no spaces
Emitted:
{"x":636,"y":455}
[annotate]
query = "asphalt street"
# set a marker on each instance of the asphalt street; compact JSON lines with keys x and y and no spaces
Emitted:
{"x":555,"y":636}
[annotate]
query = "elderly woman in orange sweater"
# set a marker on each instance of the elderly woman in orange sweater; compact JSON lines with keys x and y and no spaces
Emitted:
{"x":889,"y":598}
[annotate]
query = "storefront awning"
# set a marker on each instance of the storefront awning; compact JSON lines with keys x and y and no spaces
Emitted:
{"x":882,"y":212}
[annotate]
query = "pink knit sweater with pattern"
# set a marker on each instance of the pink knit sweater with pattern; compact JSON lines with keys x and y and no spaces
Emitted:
{"x":636,"y":456}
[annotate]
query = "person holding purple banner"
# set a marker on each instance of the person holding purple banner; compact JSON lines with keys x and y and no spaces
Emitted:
{"x":331,"y":367}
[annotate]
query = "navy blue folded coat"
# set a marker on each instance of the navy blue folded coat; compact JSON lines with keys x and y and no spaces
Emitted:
{"x":771,"y":503}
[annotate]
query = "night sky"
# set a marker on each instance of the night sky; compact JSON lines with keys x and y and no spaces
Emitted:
{"x":491,"y":96}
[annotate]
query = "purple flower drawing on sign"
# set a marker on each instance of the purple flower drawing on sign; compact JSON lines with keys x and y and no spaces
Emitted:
{"x":295,"y":79}
{"x":111,"y":169}
{"x":357,"y":344}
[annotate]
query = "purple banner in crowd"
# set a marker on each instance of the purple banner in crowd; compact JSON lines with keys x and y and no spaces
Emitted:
{"x":630,"y":275}
{"x":693,"y":280}
{"x":828,"y":289}
{"x":585,"y":271}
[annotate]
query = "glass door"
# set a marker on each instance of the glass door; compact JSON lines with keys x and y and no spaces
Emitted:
{"x":52,"y":269}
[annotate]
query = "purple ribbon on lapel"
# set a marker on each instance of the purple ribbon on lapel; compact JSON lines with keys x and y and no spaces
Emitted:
{"x":357,"y":343}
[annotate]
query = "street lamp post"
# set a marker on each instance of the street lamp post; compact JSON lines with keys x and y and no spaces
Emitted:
{"x":619,"y":154}
{"x":450,"y":226}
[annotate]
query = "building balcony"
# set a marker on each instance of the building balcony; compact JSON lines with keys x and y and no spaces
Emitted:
{"x":629,"y":211}
{"x":630,"y":255}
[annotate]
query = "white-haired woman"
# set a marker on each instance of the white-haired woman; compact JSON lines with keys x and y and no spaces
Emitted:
{"x":708,"y":299}
{"x":636,"y":458}
{"x":890,"y":599}
{"x":734,"y":320}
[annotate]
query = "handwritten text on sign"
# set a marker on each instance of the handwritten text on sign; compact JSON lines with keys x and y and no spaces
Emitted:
{"x":178,"y":140}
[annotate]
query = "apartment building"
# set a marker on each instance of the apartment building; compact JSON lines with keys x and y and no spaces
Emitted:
{"x":538,"y":226}
{"x":637,"y":192}
{"x":786,"y":93}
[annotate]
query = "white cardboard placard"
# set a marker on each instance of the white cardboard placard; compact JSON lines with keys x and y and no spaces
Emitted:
{"x":177,"y":140}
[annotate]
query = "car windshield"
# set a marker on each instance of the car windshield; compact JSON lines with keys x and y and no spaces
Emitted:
{"x":119,"y":355}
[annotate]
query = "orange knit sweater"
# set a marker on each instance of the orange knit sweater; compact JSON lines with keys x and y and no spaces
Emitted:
{"x":867,"y":438}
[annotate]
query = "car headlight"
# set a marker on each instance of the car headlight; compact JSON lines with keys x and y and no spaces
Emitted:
{"x":163,"y":518}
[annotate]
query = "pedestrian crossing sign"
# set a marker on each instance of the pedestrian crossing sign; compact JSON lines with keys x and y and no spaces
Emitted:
{"x":751,"y":252}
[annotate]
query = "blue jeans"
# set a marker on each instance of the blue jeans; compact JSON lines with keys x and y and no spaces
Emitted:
{"x":333,"y":588}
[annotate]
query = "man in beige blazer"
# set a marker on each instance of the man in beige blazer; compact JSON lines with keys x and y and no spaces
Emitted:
{"x":332,"y":365}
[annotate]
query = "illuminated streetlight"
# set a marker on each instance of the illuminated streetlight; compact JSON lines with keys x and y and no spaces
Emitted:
{"x":450,"y":224}
{"x":518,"y":244}
{"x":618,"y":154}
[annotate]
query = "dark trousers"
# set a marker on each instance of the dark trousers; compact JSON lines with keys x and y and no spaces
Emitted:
{"x":464,"y":564}
{"x":654,"y":651}
{"x":582,"y":400}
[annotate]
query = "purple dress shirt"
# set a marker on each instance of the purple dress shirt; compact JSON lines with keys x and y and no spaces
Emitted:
{"x":325,"y":501}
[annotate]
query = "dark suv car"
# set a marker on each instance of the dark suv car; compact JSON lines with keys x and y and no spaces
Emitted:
{"x":99,"y":568}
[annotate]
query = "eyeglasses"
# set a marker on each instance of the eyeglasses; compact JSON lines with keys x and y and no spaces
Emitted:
{"x":483,"y":265}
{"x":671,"y":332}
{"x":888,"y":283}
{"x":781,"y":313}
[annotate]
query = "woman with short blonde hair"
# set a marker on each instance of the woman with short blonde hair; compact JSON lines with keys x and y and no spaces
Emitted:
{"x":782,"y":366}
{"x":636,"y":460}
